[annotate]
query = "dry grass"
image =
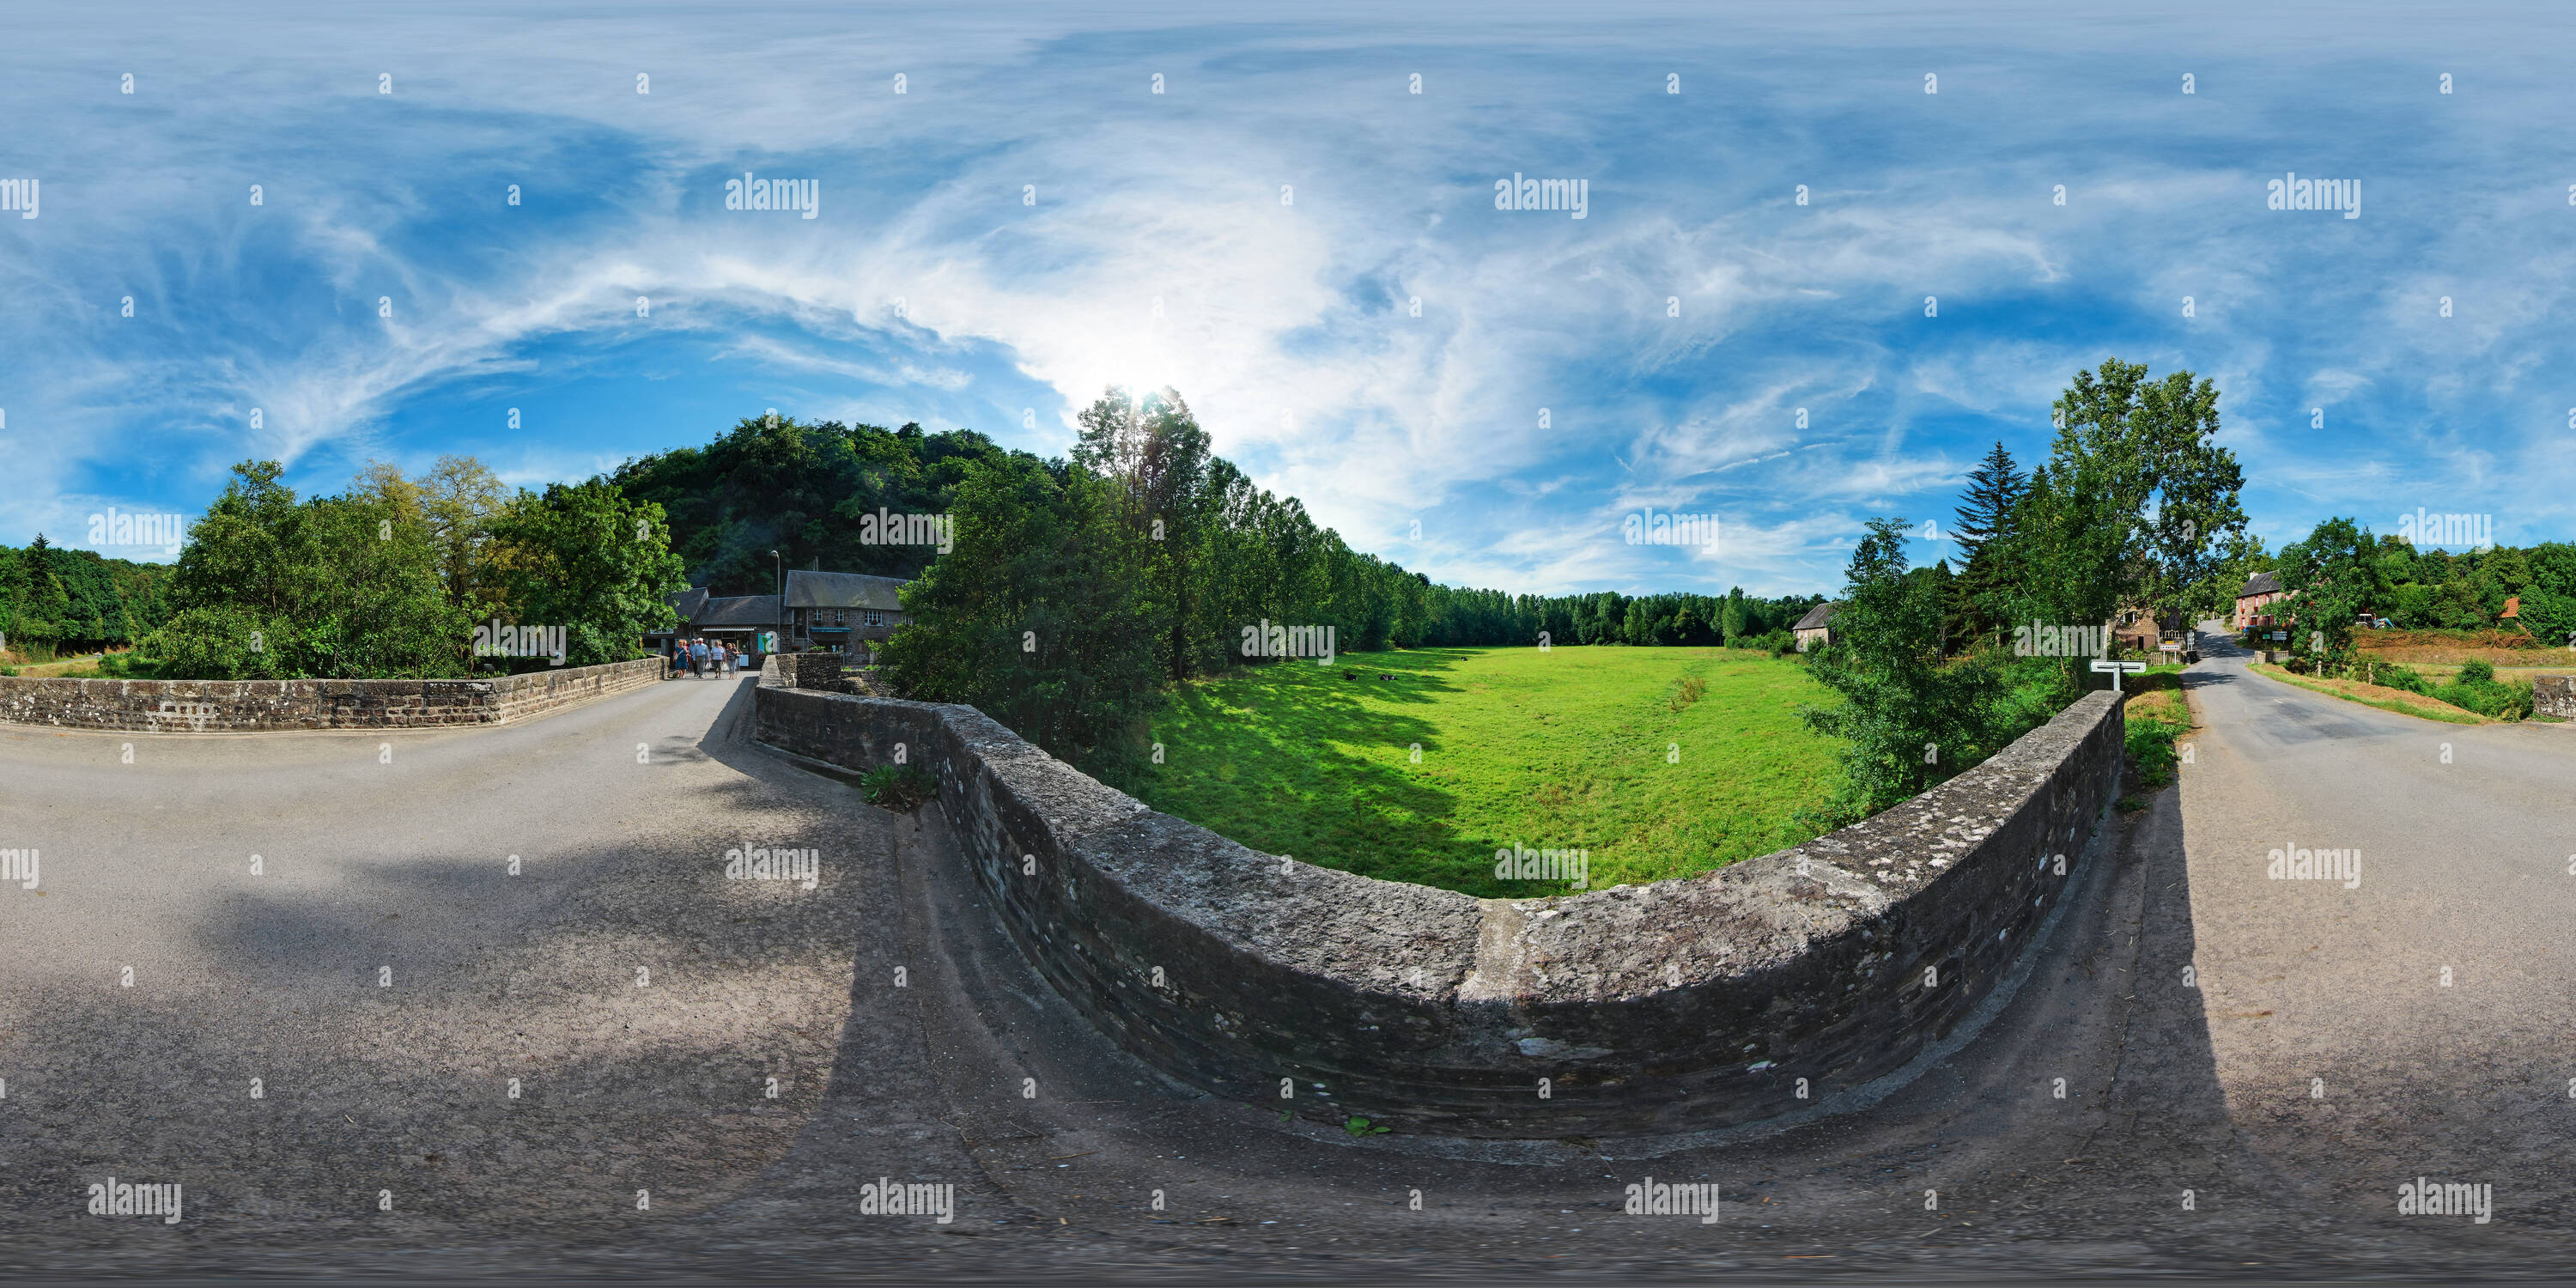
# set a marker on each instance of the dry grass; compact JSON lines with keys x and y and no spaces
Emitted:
{"x":2497,"y":648}
{"x":39,"y":670}
{"x":2401,"y":701}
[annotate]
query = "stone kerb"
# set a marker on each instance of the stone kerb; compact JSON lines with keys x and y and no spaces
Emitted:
{"x":207,"y":706}
{"x":2554,"y":695}
{"x":1683,"y":1005}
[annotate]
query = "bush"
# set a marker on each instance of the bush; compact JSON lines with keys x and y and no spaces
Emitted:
{"x":2150,"y":742}
{"x":2394,"y":676}
{"x":2478,"y":690}
{"x":901,"y":788}
{"x":128,"y":666}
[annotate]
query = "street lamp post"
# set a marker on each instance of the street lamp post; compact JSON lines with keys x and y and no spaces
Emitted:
{"x":778,"y":573}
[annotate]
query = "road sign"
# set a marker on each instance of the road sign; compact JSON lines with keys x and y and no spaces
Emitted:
{"x":2171,"y":646}
{"x":2115,"y":668}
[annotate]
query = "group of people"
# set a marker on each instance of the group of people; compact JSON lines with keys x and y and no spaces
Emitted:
{"x":704,"y":657}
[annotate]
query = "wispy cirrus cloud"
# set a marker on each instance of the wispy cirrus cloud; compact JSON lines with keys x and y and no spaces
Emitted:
{"x":1029,"y":222}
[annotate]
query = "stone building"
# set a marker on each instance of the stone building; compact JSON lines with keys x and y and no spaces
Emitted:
{"x":846,"y":612}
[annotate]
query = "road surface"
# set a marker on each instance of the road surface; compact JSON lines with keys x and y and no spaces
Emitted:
{"x":385,"y":977}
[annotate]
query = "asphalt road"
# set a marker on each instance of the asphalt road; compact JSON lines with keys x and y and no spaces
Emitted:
{"x":384,"y":976}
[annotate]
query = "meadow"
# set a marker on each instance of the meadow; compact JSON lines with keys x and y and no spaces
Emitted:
{"x":1656,"y":762}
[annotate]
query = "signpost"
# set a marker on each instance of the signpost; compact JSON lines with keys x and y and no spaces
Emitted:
{"x":2104,"y":664}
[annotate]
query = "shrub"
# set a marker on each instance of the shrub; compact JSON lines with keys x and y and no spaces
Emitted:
{"x":2394,"y":676}
{"x":2483,"y":694}
{"x":901,"y":788}
{"x":128,"y":666}
{"x":2150,"y":742}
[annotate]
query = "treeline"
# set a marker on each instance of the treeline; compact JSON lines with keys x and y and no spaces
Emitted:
{"x":2341,"y":573}
{"x":1143,"y":553}
{"x":55,"y":600}
{"x":1079,"y":587}
{"x":1607,"y":617}
{"x":805,"y":491}
{"x":390,"y":578}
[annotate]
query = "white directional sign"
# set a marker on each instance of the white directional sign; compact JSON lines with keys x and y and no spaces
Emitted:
{"x":2115,"y":668}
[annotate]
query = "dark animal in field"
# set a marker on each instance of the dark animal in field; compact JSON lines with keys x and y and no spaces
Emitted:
{"x":1348,"y":676}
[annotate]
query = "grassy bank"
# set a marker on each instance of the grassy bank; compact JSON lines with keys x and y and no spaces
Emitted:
{"x":2156,"y":714}
{"x":2381,"y":696}
{"x":1657,"y":762}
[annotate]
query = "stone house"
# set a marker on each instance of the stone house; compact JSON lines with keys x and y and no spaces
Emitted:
{"x":2260,"y":592}
{"x":845,"y":612}
{"x":1816,"y":628}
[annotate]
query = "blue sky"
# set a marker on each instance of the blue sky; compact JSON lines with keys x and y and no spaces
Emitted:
{"x":1288,"y":324}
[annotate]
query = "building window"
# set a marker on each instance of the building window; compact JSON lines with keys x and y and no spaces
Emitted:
{"x":875,"y":618}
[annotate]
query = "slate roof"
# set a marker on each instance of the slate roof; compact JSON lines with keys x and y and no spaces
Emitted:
{"x":843,"y":590}
{"x":1817,"y":617}
{"x":689,"y":602}
{"x":741,"y":610}
{"x":2261,"y":583}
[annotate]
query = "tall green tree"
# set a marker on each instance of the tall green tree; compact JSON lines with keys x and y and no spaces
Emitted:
{"x":2328,"y":577}
{"x":1986,"y":516}
{"x":1906,"y":719}
{"x":1038,"y":618}
{"x":1157,"y":454}
{"x":2133,"y":501}
{"x":588,"y":558}
{"x":335,"y":587}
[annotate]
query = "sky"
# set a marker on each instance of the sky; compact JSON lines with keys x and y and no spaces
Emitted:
{"x":294,"y":239}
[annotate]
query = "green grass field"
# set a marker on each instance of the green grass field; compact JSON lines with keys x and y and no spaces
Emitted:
{"x":1566,"y":749}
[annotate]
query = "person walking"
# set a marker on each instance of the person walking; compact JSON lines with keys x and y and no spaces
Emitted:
{"x":698,"y":657}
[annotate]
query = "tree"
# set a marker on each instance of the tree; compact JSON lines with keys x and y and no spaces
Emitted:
{"x":339,"y":587}
{"x":1037,"y":618}
{"x":2328,"y":577}
{"x":1906,"y":720}
{"x":1985,"y":530}
{"x":1156,"y":452}
{"x":1732,"y":624}
{"x":2133,"y":500}
{"x":587,"y":558}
